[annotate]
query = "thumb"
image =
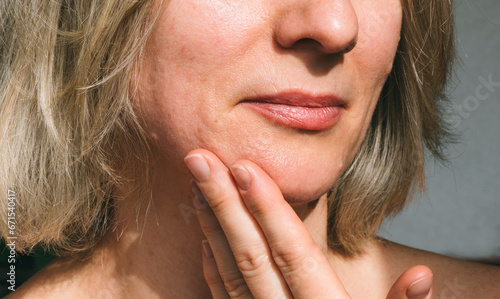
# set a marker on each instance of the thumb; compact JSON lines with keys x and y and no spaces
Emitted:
{"x":414,"y":283}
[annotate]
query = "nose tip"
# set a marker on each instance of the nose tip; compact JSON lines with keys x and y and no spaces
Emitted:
{"x":332,"y":24}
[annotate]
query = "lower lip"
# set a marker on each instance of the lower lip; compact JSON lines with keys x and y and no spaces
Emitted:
{"x":298,"y":117}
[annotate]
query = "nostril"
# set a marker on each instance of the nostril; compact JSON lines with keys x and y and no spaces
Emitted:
{"x":312,"y":44}
{"x":307,"y":43}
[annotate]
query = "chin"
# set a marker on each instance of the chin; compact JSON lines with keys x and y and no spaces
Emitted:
{"x":302,"y":174}
{"x":300,"y":189}
{"x":303,"y":195}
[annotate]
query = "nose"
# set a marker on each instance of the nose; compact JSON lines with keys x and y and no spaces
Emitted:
{"x":331,"y":25}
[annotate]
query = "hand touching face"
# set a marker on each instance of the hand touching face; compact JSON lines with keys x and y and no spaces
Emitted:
{"x":257,"y":247}
{"x":290,"y":85}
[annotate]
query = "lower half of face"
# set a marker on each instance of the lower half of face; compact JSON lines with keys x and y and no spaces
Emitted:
{"x":219,"y":76}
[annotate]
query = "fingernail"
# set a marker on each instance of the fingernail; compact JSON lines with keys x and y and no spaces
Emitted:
{"x":198,"y":167}
{"x":199,"y":201}
{"x":241,"y":176}
{"x":420,"y":288}
{"x":207,"y":250}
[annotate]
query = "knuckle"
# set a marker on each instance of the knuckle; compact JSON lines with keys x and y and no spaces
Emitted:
{"x":217,"y":196}
{"x":291,"y":258}
{"x":252,"y":262}
{"x":240,"y":291}
{"x":219,"y":202}
{"x":235,"y":285}
{"x":257,"y":209}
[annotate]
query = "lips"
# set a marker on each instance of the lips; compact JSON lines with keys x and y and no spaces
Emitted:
{"x":298,"y":110}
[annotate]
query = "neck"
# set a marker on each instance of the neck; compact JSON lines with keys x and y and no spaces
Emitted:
{"x":158,"y":251}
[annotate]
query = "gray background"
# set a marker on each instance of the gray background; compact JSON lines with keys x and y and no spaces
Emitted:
{"x":460,"y":214}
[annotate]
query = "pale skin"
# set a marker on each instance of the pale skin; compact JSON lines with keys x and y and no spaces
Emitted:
{"x":267,"y":234}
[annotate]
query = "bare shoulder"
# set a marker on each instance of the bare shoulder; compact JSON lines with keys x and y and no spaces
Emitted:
{"x":453,"y":278}
{"x":53,"y":281}
{"x":62,"y":279}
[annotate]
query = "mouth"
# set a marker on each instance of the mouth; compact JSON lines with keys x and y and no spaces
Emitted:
{"x":296,"y":110}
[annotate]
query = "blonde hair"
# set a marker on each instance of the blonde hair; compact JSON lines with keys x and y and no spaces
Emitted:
{"x":66,"y":121}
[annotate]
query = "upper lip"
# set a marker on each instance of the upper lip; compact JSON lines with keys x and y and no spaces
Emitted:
{"x":301,"y":99}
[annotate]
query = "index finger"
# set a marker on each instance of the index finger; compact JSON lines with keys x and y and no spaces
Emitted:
{"x":304,"y":266}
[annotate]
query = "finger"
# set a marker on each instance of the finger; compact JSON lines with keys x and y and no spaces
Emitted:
{"x":252,"y":257}
{"x":211,"y":273}
{"x":414,"y":283}
{"x":302,"y":263}
{"x":233,"y":281}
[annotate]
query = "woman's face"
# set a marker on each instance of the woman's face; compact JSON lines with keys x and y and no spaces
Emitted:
{"x":275,"y":82}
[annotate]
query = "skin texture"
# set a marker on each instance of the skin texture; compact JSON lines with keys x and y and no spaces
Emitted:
{"x":201,"y":63}
{"x":267,"y":238}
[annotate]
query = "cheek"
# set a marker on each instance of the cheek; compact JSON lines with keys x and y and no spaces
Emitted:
{"x":371,"y":61}
{"x":205,"y":37}
{"x":194,"y":42}
{"x":379,"y":35}
{"x":373,"y":56}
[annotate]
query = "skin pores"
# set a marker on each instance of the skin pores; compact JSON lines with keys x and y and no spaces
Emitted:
{"x":206,"y":57}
